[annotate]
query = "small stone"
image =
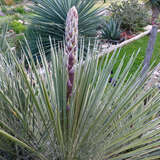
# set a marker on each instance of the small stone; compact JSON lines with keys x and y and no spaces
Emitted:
{"x":157,"y":74}
{"x":20,"y":21}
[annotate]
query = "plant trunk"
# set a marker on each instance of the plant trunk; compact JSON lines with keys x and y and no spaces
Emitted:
{"x":150,"y":48}
{"x":152,"y":40}
{"x":155,"y":15}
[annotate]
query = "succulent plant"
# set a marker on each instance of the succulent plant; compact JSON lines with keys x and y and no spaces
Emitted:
{"x":49,"y":20}
{"x":103,"y":123}
{"x":111,"y":30}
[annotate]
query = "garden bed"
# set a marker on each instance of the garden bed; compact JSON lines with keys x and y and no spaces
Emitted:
{"x":107,"y":48}
{"x":133,"y":46}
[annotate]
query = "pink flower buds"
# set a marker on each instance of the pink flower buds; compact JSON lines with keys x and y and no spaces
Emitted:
{"x":71,"y":46}
{"x":71,"y":32}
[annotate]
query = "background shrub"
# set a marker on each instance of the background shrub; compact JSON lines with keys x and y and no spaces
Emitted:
{"x":131,"y":13}
{"x":20,"y":10}
{"x":17,"y":26}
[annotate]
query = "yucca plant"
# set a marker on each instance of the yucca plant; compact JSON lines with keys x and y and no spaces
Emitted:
{"x":49,"y":20}
{"x":102,"y":122}
{"x":111,"y":30}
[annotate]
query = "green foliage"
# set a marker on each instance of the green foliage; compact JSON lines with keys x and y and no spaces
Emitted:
{"x":4,"y":9}
{"x":131,"y":13}
{"x":5,"y":19}
{"x":49,"y":20}
{"x":20,"y":10}
{"x":111,"y":30}
{"x":18,"y":1}
{"x":103,"y":122}
{"x":153,"y":3}
{"x":17,"y":26}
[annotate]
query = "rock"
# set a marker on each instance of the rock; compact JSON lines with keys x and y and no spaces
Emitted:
{"x":20,"y":21}
{"x":149,"y":27}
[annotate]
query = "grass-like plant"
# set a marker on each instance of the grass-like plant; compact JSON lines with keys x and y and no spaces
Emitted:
{"x":97,"y":121}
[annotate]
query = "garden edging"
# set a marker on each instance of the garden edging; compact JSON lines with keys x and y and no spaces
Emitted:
{"x":112,"y":48}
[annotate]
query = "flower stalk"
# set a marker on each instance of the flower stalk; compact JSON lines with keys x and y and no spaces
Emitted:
{"x":71,"y":47}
